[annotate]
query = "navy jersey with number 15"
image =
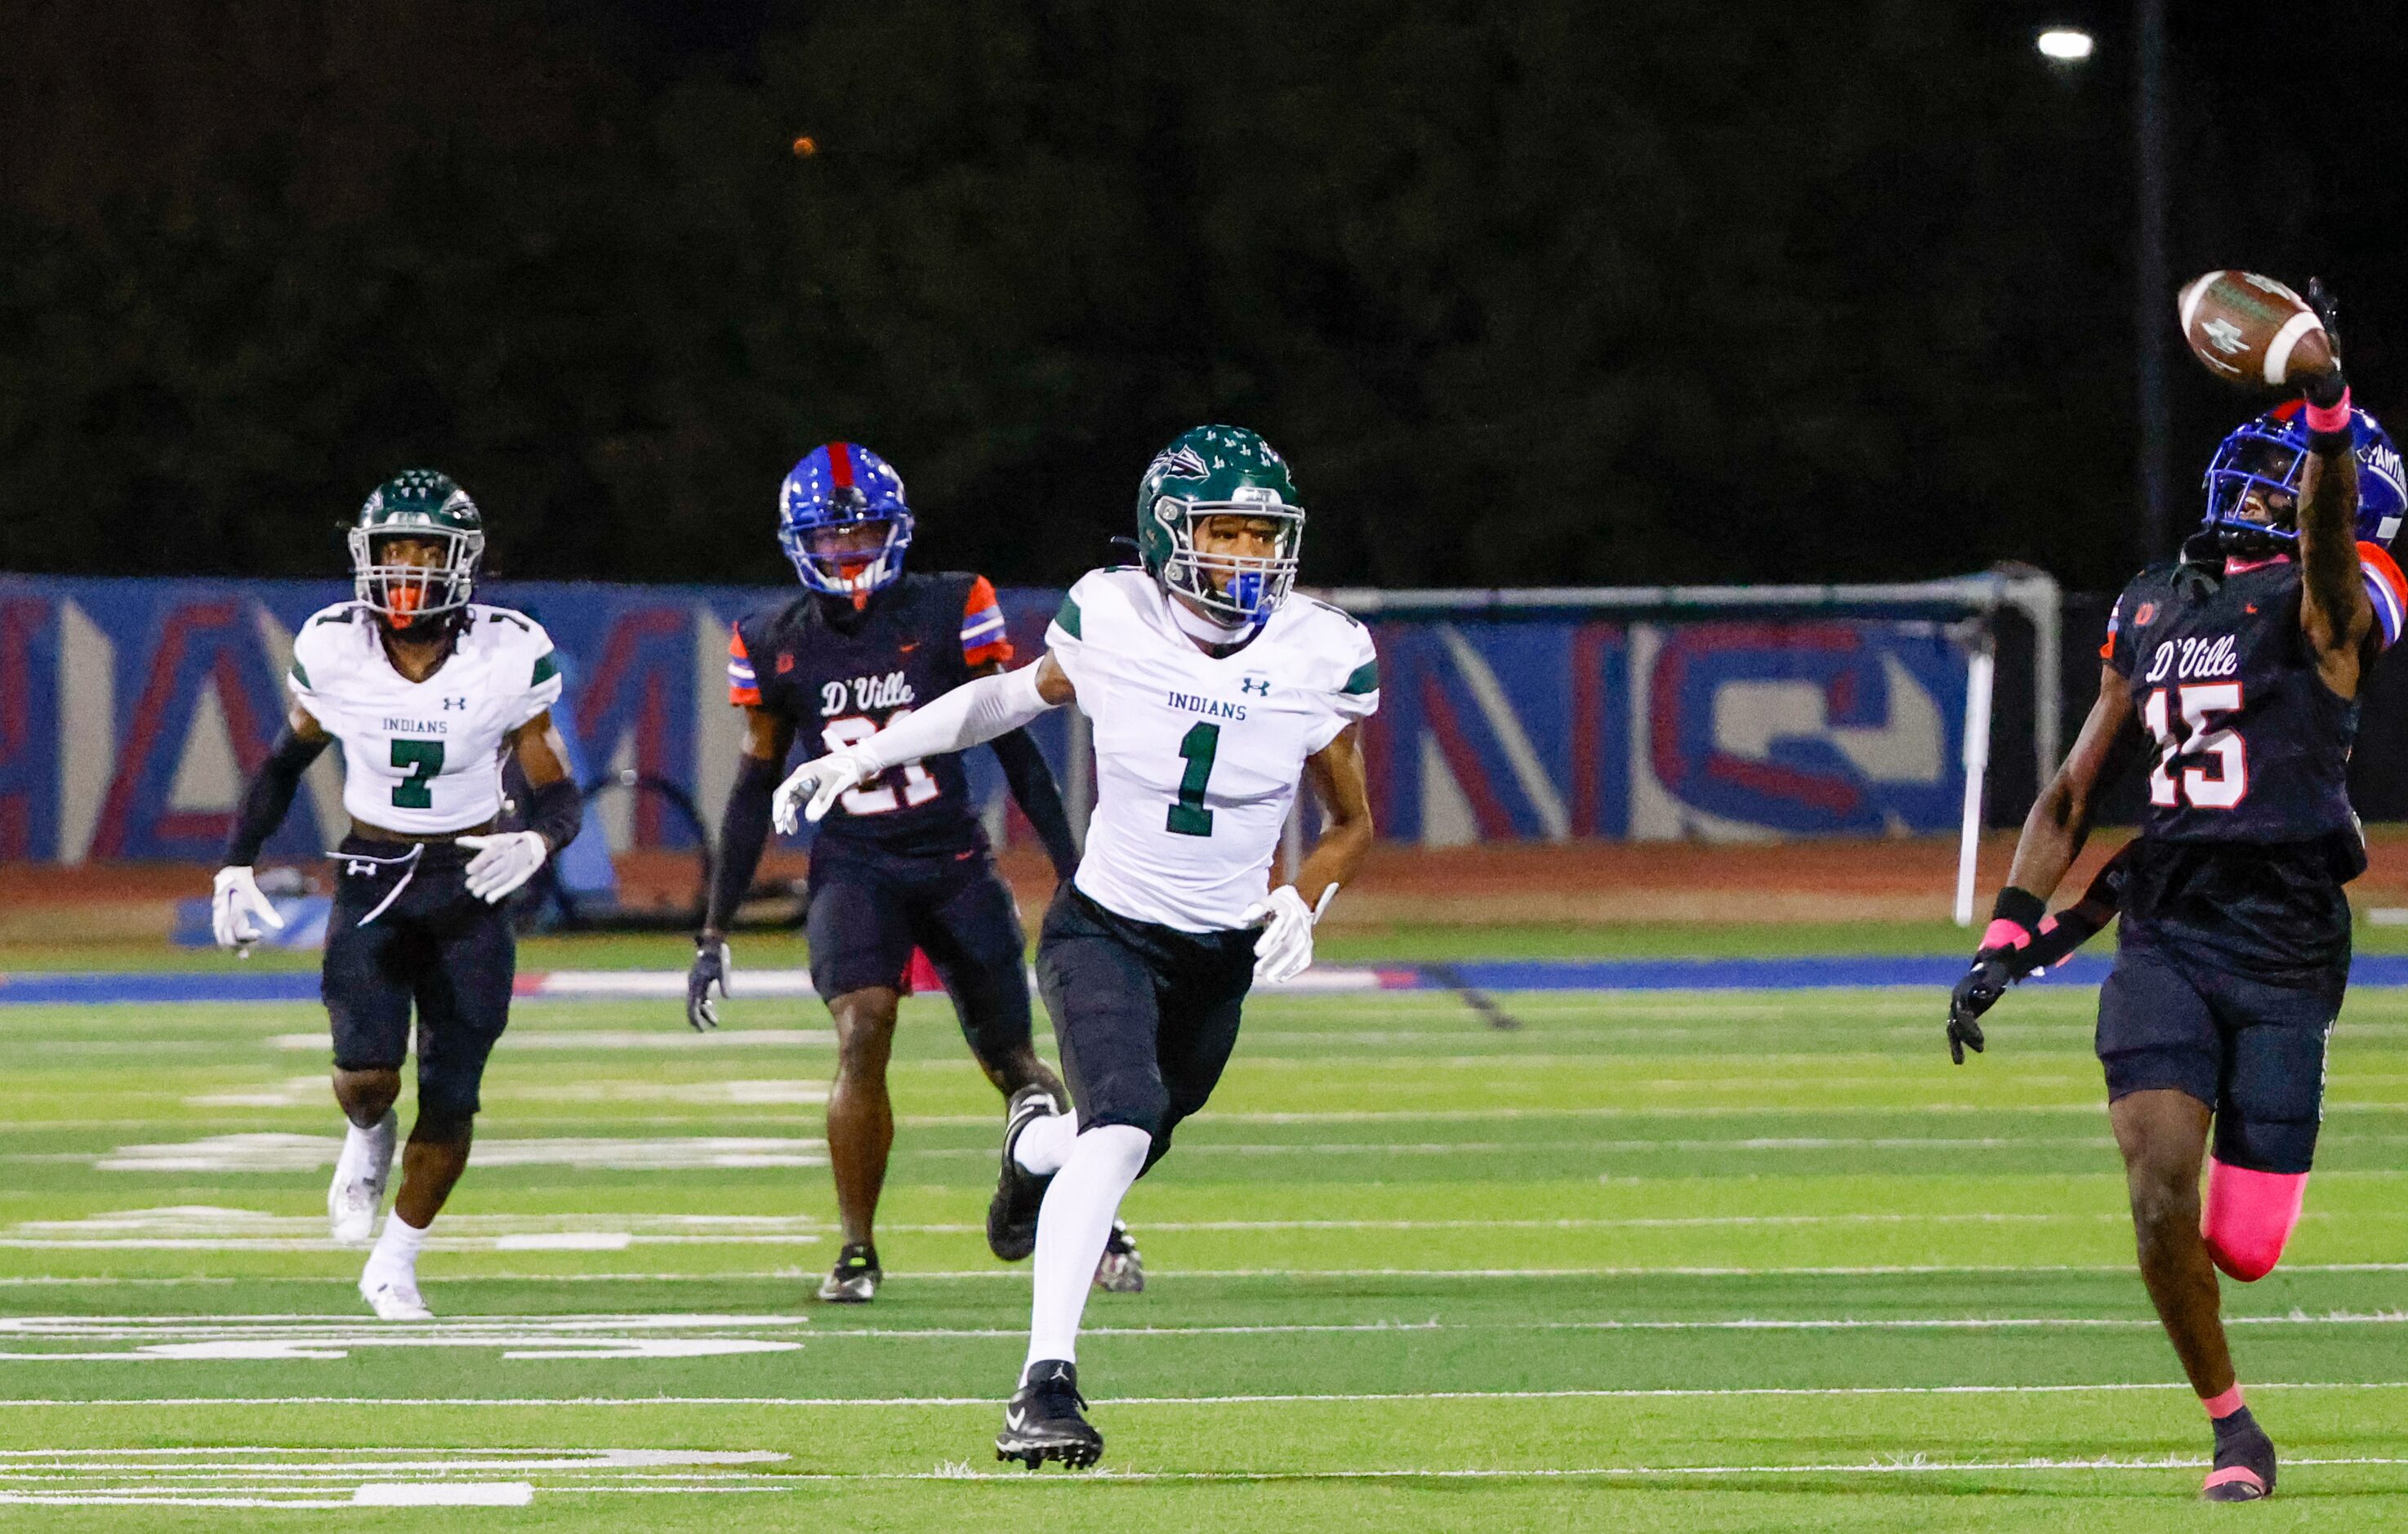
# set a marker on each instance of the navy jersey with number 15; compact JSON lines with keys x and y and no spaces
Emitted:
{"x":841,"y":677}
{"x":2246,"y":742}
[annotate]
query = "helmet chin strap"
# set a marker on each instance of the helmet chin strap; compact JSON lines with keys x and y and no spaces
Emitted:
{"x":1203,"y":627}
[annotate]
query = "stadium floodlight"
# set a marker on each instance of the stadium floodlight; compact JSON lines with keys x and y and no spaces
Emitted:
{"x":2065,"y":44}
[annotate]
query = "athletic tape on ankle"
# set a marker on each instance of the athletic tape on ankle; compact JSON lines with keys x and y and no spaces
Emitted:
{"x":2224,"y":1404}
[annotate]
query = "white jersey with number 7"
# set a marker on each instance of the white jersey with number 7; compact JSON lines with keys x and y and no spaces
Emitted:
{"x":1198,"y":757}
{"x":423,"y":757}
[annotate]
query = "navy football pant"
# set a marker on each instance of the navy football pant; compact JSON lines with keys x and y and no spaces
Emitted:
{"x":1145,"y":1015}
{"x":404,"y":932}
{"x":2251,"y":1050}
{"x":868,"y":910}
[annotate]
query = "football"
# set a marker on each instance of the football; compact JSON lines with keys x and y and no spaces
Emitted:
{"x":2253,"y":331}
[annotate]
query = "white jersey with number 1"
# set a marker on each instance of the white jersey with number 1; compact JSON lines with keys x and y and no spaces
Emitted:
{"x":423,"y":757}
{"x":1198,"y":757}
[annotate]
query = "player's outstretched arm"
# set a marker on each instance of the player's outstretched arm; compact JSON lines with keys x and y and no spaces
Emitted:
{"x":509,"y":859}
{"x":971,"y":714}
{"x":2053,"y":834}
{"x":1288,"y":914}
{"x":743,"y":831}
{"x":1034,"y":790}
{"x":236,"y":905}
{"x":2333,"y":605}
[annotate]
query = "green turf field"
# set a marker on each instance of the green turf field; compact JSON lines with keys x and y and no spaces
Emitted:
{"x":1749,"y":1260}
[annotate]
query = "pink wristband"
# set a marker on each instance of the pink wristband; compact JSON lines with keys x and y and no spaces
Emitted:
{"x":2335,"y":419}
{"x":2005,"y":934}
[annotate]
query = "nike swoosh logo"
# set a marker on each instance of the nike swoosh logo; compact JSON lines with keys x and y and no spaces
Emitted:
{"x":907,"y":648}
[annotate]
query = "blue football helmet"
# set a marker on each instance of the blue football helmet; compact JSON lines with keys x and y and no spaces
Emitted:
{"x":2266,"y":459}
{"x":832,"y":505}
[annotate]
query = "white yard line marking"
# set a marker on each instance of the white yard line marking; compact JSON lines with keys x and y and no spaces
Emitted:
{"x":795,"y":1275}
{"x":523,"y":1038}
{"x":1597,"y":1223}
{"x":472,"y":1494}
{"x":311,"y":1092}
{"x":1902,"y":1464}
{"x":1695,"y":1393}
{"x":282,"y":1338}
{"x":299,"y":1338}
{"x":254,"y":1476}
{"x":290,"y":1152}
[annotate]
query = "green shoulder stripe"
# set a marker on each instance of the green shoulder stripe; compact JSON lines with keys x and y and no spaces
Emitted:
{"x":545,"y":669}
{"x":298,"y":674}
{"x":1068,"y":617}
{"x":1366,"y":678}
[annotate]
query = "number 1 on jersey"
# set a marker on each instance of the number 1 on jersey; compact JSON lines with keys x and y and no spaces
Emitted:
{"x":1188,"y":817}
{"x":422,"y":760}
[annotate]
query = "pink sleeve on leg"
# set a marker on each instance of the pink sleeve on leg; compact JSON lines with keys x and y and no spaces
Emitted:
{"x":2248,"y":1216}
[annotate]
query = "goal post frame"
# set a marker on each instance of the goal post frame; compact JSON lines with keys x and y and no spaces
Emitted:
{"x":1975,"y":599}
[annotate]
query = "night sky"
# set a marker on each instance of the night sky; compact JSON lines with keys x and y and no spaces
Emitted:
{"x":1526,"y":291}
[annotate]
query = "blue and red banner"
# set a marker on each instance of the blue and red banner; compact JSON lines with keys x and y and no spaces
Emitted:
{"x":131,"y":711}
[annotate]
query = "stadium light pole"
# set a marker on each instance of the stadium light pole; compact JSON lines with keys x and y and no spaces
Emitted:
{"x":2154,"y":297}
{"x":2066,"y":49}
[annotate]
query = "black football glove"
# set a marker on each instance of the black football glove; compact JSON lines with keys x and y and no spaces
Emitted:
{"x":2327,"y":390}
{"x":2077,"y":924}
{"x":712,"y":967}
{"x":2015,"y":924}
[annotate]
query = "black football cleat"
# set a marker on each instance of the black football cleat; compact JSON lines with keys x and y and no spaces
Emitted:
{"x":1012,"y":1214}
{"x":2245,"y":1461}
{"x":1121,"y":1271}
{"x":856,"y":1278}
{"x":1042,"y":1422}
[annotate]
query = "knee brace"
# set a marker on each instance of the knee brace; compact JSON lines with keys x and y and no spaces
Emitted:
{"x":2248,"y":1217}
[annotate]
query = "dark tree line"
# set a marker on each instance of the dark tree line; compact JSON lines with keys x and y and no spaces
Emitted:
{"x":1530,"y":291}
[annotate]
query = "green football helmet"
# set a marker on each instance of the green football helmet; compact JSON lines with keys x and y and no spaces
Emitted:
{"x":1210,"y":471}
{"x":421,"y":504}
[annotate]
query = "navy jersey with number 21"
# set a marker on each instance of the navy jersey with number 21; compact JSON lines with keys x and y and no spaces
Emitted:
{"x":839,"y":677}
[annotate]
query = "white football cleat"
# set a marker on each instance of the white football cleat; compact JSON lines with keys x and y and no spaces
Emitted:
{"x":394,"y":1297}
{"x":357,"y":1193}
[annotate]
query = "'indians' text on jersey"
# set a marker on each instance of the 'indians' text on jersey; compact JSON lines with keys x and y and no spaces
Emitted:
{"x":841,"y":675}
{"x":1198,"y":757}
{"x":2245,"y":741}
{"x":425,"y":758}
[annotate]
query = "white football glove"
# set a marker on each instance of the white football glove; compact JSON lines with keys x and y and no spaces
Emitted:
{"x":1284,"y":950}
{"x":234,"y":905}
{"x":808,"y":791}
{"x":503,"y":862}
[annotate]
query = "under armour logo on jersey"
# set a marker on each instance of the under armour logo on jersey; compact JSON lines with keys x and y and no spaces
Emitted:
{"x":1258,"y":686}
{"x":359,"y":870}
{"x":450,"y":703}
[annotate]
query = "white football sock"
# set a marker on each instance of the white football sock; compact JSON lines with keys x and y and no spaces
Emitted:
{"x":397,"y":1245}
{"x":1072,"y":1228}
{"x":1045,"y":1143}
{"x":359,"y":1153}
